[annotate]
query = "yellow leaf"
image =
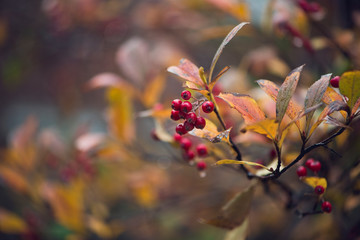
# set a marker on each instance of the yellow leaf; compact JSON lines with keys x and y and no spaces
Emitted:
{"x":99,"y":227}
{"x":229,"y":161}
{"x":67,"y":203}
{"x":267,"y":127}
{"x":153,"y":90}
{"x":11,"y":223}
{"x":120,"y":114}
{"x":315,"y":181}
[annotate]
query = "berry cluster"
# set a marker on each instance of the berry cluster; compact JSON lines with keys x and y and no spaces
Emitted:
{"x":314,"y":166}
{"x":183,"y":110}
{"x":188,"y":154}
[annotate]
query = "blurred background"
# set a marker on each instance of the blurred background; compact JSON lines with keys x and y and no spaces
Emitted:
{"x":84,"y":84}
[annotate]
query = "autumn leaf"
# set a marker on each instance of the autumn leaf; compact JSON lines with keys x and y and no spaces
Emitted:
{"x":267,"y":127}
{"x":314,"y":95}
{"x":188,"y":71}
{"x":227,"y":39}
{"x":286,"y":92}
{"x":315,"y":181}
{"x":238,"y":233}
{"x":245,"y":105}
{"x":272,"y":90}
{"x":214,"y":81}
{"x":153,"y":90}
{"x":329,"y":109}
{"x":331,"y":95}
{"x":229,"y":161}
{"x":120,"y":114}
{"x":349,"y":86}
{"x":10,"y":223}
{"x":14,"y":179}
{"x":234,"y":213}
{"x":211,"y":133}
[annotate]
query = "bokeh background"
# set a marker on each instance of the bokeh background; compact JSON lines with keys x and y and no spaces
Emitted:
{"x":78,"y":157}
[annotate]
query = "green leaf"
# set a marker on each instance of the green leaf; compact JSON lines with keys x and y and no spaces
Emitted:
{"x":234,"y":213}
{"x":286,"y":91}
{"x":349,"y":86}
{"x":314,"y":95}
{"x":226,"y":40}
{"x":245,"y":105}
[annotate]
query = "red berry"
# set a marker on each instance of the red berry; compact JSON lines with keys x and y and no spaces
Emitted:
{"x":334,"y":82}
{"x":319,"y":190}
{"x":326,"y":207}
{"x":301,"y":171}
{"x":188,"y":126}
{"x":191,"y":117}
{"x":182,"y":115}
{"x":180,"y":129}
{"x":315,"y":166}
{"x":186,"y":95}
{"x":201,"y":149}
{"x":308,"y":162}
{"x":176,"y":104}
{"x":185,"y":144}
{"x":207,"y":106}
{"x":186,"y":107}
{"x":189,"y":155}
{"x":201,"y":165}
{"x":200,"y":123}
{"x":175,"y":115}
{"x":177,"y":137}
{"x":154,"y":135}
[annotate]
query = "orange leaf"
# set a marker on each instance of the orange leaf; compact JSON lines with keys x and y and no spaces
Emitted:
{"x":286,"y":92}
{"x":331,"y":95}
{"x":188,"y":71}
{"x":245,"y":105}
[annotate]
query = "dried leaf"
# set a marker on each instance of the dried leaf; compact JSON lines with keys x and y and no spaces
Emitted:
{"x":188,"y":71}
{"x":11,"y":223}
{"x":286,"y":92}
{"x":245,"y":105}
{"x":272,"y":90}
{"x":227,"y":39}
{"x":229,"y":161}
{"x":211,"y":133}
{"x":349,"y":86}
{"x":235,"y":211}
{"x":314,"y":95}
{"x":238,"y":233}
{"x":331,"y":95}
{"x":267,"y":127}
{"x":153,"y":90}
{"x":222,"y":136}
{"x":222,"y":72}
{"x":335,"y":122}
{"x":356,"y":107}
{"x":315,"y":181}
